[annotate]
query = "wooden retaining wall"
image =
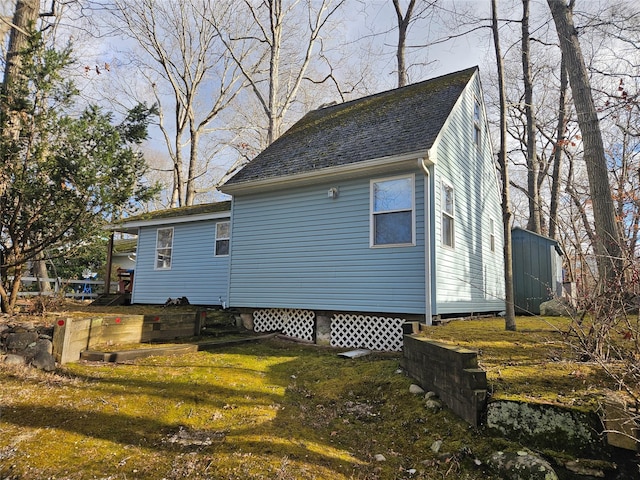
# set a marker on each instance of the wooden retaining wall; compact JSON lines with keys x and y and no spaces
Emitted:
{"x":451,"y":372}
{"x":73,"y":336}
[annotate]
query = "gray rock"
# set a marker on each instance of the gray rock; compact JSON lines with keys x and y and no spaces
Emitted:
{"x":380,"y":458}
{"x":433,"y":404}
{"x":556,"y":307}
{"x":416,"y":389}
{"x":584,"y":468}
{"x":13,"y":359}
{"x":430,"y":394}
{"x":20,"y":340}
{"x":521,"y":466}
{"x":545,"y":426}
{"x":45,"y":346}
{"x":44,"y":361}
{"x":435,"y":446}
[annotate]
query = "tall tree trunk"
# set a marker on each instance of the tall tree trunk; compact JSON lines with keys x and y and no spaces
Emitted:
{"x":403,"y":25}
{"x":533,"y":169}
{"x":190,"y":191}
{"x":41,"y":272}
{"x":9,"y":290}
{"x":558,"y":151}
{"x":607,"y":245}
{"x":24,"y":18}
{"x":510,"y":314}
{"x":178,"y":182}
{"x":274,"y":70}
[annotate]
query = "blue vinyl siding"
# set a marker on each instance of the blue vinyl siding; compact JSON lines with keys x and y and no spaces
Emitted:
{"x":195,"y":272}
{"x":298,"y":248}
{"x":469,"y":277}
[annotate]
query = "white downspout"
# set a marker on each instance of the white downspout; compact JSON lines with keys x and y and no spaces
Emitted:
{"x":427,"y":243}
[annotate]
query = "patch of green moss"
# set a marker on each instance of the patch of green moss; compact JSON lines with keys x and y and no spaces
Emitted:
{"x":535,"y":363}
{"x":270,"y":410}
{"x":276,"y":410}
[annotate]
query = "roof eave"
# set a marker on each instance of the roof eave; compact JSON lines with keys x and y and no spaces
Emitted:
{"x":373,"y":166}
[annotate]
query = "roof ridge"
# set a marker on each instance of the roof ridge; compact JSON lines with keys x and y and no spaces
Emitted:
{"x":324,"y":113}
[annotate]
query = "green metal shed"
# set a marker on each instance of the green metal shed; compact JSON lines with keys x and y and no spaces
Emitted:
{"x":537,"y":270}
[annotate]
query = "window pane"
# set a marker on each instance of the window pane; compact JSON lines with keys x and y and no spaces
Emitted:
{"x":447,"y":230}
{"x":392,"y":195}
{"x":447,"y":199}
{"x":163,"y":258}
{"x":222,"y":230}
{"x":165,"y":236}
{"x":222,"y":247}
{"x":392,"y":228}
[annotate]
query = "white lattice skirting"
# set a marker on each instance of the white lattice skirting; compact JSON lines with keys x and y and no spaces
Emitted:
{"x":363,"y":331}
{"x":293,"y":323}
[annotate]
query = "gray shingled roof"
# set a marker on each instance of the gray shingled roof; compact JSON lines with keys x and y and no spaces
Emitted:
{"x":394,"y":122}
{"x":200,"y":209}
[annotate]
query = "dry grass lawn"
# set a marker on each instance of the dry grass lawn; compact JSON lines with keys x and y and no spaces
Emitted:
{"x":273,"y":410}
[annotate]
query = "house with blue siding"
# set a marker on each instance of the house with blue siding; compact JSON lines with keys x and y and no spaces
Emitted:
{"x":369,"y":213}
{"x":181,"y":252}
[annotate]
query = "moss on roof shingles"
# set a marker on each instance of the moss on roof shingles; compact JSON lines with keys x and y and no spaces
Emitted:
{"x":394,"y":122}
{"x":200,"y":209}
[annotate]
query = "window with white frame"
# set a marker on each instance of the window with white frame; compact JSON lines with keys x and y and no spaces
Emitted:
{"x":476,"y":122}
{"x":492,"y":235}
{"x":448,"y":219}
{"x":222,"y":239}
{"x":164,"y":248}
{"x":392,"y":211}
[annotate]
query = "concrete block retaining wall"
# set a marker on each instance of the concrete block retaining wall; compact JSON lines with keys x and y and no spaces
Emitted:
{"x":451,"y":372}
{"x":73,"y":336}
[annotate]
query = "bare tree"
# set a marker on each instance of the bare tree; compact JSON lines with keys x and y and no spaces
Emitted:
{"x":403,"y":25}
{"x":533,"y":186}
{"x":510,"y":315}
{"x":186,"y":55}
{"x":273,"y":43}
{"x":558,"y":151}
{"x":607,"y":246}
{"x":404,"y":21}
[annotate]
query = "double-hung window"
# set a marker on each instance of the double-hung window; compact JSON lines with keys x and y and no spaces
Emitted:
{"x":476,"y":122}
{"x":448,"y":219}
{"x":392,"y":211}
{"x":222,"y":239}
{"x":164,"y":248}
